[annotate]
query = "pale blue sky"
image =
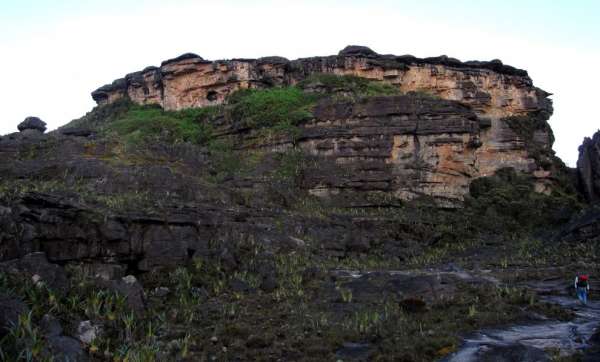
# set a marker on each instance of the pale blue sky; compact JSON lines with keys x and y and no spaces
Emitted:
{"x":54,"y":53}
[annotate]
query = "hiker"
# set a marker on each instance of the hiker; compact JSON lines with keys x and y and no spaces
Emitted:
{"x":582,"y":287}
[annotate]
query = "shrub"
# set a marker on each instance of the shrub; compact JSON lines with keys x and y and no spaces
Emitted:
{"x":102,"y":115}
{"x":146,"y":123}
{"x":507,"y":201}
{"x":357,"y":86}
{"x":270,"y":107}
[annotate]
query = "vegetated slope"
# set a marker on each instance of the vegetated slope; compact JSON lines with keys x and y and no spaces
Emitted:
{"x":238,"y":220}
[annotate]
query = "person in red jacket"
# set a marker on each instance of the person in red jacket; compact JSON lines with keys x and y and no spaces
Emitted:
{"x":582,"y":287}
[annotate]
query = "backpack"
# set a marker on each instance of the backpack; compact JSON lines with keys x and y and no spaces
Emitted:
{"x":582,"y":281}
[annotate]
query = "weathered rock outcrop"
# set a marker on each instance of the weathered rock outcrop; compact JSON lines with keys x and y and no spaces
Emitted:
{"x":32,"y":123}
{"x":409,"y":146}
{"x":493,"y":89}
{"x":588,"y":168}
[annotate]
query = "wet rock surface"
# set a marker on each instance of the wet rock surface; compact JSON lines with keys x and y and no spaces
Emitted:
{"x":530,"y":342}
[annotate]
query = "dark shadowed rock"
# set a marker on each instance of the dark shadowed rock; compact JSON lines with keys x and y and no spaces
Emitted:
{"x":77,"y":131}
{"x":238,"y":285}
{"x":32,"y":123}
{"x":514,"y":353}
{"x":10,"y":310}
{"x":592,"y":354}
{"x":65,"y":349}
{"x":36,"y":263}
{"x":588,"y":168}
{"x":355,"y":351}
{"x":50,"y":326}
{"x":257,"y":341}
{"x":356,"y":50}
{"x":269,"y":283}
{"x":133,"y":291}
{"x":185,"y":56}
{"x":413,"y":305}
{"x":584,"y":227}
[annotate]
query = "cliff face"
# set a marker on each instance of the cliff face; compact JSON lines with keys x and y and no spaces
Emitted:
{"x":498,"y":119}
{"x":588,"y":168}
{"x":493,"y":89}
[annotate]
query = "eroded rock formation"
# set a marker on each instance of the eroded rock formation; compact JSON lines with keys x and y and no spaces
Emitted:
{"x":493,"y":89}
{"x":588,"y":168}
{"x":498,"y":118}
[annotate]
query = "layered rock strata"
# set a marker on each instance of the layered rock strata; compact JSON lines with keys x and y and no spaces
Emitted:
{"x":479,"y":116}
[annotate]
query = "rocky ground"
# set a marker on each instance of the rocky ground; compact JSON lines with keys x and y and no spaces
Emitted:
{"x":137,"y":234}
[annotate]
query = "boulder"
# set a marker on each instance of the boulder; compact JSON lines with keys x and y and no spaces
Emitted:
{"x":36,"y":266}
{"x":60,"y":347}
{"x":87,"y":331}
{"x":357,"y":50}
{"x":50,"y":326}
{"x":33,"y":123}
{"x":130,"y":288}
{"x":65,"y":348}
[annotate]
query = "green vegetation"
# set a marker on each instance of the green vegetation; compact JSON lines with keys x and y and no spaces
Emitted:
{"x":101,"y":116}
{"x":277,"y":110}
{"x":347,"y":85}
{"x":526,"y":127}
{"x":151,"y":124}
{"x":507,"y":202}
{"x":271,"y":107}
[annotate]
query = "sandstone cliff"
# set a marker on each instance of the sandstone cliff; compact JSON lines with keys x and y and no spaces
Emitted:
{"x":412,"y":148}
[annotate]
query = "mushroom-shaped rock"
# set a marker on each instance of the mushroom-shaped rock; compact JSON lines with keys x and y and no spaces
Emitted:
{"x":357,"y":50}
{"x":185,"y":56}
{"x":32,"y":123}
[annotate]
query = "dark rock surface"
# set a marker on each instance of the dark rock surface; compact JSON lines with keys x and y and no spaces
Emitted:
{"x":588,"y":168}
{"x":78,"y":132}
{"x":36,"y":263}
{"x":66,"y":349}
{"x":513,"y":353}
{"x":10,"y":310}
{"x":33,"y":123}
{"x":351,"y":50}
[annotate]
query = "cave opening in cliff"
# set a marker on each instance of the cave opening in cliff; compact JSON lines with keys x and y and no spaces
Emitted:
{"x":212,"y":96}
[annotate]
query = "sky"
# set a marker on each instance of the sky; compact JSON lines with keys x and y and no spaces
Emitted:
{"x":54,"y":53}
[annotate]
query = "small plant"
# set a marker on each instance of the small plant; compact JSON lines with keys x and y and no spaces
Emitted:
{"x":472,"y":311}
{"x":185,"y":346}
{"x":346,"y":295}
{"x":23,"y":340}
{"x":128,"y":320}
